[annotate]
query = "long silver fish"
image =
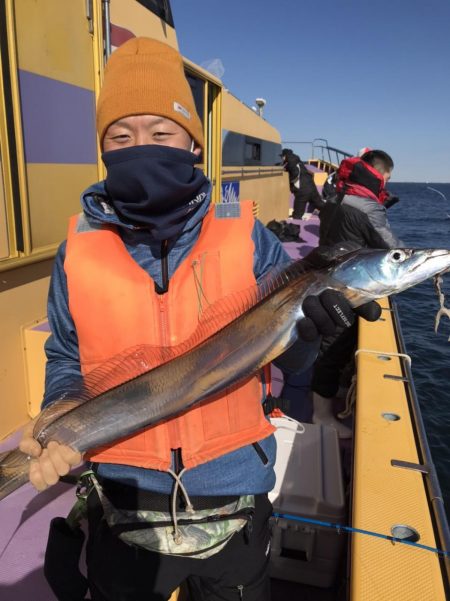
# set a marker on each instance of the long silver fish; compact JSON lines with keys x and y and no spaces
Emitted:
{"x":261,"y":326}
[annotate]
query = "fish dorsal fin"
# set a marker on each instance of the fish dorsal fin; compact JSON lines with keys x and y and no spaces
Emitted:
{"x":138,"y":360}
{"x":52,"y":412}
{"x":231,"y":307}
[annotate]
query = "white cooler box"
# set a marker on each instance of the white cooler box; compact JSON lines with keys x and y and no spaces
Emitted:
{"x":309,"y":485}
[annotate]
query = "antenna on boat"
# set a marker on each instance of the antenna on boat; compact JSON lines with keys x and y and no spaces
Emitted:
{"x":260,"y":103}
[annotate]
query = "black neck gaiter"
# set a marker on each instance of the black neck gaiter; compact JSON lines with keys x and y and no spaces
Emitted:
{"x":157,"y":187}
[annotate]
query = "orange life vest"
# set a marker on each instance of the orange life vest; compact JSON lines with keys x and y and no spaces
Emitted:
{"x":114,"y":306}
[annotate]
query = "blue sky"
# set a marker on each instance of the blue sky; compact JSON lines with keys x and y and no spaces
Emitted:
{"x":356,"y":72}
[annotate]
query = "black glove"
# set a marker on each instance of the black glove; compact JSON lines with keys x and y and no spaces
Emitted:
{"x":324,"y":313}
{"x":390,"y":201}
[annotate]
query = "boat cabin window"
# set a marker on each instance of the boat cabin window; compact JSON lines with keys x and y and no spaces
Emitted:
{"x":161,"y":8}
{"x":245,"y":151}
{"x":198,"y":91}
{"x":252,"y":151}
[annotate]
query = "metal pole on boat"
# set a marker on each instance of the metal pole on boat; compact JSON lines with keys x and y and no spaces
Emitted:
{"x":107,"y":26}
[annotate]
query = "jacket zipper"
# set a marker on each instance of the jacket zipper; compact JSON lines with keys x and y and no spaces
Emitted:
{"x":165,"y":266}
{"x":164,"y":269}
{"x":177,"y":462}
{"x":258,"y":448}
{"x":162,"y":291}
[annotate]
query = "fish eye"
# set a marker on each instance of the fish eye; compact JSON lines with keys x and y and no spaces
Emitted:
{"x":398,"y":256}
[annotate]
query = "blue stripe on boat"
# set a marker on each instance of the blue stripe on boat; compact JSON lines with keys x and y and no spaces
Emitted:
{"x":58,"y":121}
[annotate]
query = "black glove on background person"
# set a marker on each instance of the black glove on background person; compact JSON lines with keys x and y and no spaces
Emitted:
{"x":390,"y":201}
{"x":324,"y":313}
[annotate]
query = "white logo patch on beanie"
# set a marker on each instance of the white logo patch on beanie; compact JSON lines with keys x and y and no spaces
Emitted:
{"x":180,"y":109}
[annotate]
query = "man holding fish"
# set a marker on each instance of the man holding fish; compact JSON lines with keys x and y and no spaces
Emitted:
{"x":141,"y":268}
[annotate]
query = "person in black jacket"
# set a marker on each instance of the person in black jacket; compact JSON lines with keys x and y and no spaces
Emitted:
{"x":301,"y":184}
{"x":357,"y":215}
{"x":329,"y":188}
{"x":358,"y":212}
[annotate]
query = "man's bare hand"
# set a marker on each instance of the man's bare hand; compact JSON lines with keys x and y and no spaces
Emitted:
{"x":28,"y":444}
{"x":47,"y":465}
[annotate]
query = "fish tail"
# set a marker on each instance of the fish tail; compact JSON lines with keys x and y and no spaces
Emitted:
{"x":14,"y":467}
{"x":443,"y":311}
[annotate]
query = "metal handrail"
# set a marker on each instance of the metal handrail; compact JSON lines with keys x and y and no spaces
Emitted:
{"x":243,"y":171}
{"x":325,"y":148}
{"x":384,"y":354}
{"x":340,"y":154}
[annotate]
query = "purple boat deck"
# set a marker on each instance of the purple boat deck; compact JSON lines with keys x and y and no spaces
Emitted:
{"x":24,"y":521}
{"x":296,"y":387}
{"x":25,"y":515}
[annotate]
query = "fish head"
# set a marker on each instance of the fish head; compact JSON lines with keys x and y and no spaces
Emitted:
{"x":376,"y":273}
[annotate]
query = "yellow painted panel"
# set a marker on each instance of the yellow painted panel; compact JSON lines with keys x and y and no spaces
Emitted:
{"x":34,"y":338}
{"x":271,"y":193}
{"x":18,"y":306}
{"x":139,"y":20}
{"x":238,"y":117}
{"x":53,"y":40}
{"x":54,"y":195}
{"x":384,"y":495}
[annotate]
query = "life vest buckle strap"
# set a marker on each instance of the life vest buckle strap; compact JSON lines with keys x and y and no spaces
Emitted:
{"x":271,"y":403}
{"x":79,"y":510}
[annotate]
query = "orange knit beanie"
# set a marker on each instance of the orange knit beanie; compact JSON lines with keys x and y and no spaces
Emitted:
{"x":146,"y":77}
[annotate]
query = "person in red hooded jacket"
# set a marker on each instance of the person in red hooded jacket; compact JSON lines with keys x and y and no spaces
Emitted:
{"x":356,"y":215}
{"x":359,"y":211}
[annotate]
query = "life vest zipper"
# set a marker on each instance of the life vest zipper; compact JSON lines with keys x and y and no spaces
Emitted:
{"x":174,"y":432}
{"x":162,"y":290}
{"x":258,"y":448}
{"x":163,"y":321}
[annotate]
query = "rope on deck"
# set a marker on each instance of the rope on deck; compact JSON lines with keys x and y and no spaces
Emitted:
{"x":341,"y":528}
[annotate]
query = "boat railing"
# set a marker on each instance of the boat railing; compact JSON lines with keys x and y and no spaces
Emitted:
{"x":264,"y":171}
{"x":323,"y":156}
{"x":426,"y":466}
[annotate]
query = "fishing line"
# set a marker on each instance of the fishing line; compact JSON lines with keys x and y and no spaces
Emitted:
{"x":438,"y":191}
{"x":341,"y":528}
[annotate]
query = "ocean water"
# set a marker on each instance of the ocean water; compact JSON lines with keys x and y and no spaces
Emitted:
{"x":422,"y":220}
